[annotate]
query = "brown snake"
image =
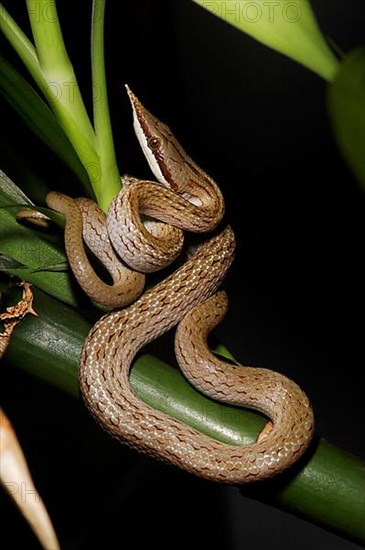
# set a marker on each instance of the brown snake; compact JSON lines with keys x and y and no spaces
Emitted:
{"x":184,"y":199}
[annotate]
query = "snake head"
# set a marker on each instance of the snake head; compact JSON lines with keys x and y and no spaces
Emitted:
{"x":154,"y":138}
{"x":168,"y":161}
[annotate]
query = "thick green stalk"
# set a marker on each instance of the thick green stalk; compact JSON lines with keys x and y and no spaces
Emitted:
{"x":108,"y":184}
{"x":326,"y":487}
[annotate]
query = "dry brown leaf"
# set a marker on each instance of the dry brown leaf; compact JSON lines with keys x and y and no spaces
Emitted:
{"x":14,"y":315}
{"x":17,"y":480}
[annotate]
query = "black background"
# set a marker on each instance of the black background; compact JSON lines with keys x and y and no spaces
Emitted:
{"x":257,"y":122}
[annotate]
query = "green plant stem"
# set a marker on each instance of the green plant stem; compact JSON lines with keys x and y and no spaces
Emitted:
{"x":60,"y":84}
{"x":52,"y":70}
{"x":62,"y":90}
{"x":108,"y":185}
{"x":329,"y":491}
{"x":22,"y":45}
{"x":326,"y":488}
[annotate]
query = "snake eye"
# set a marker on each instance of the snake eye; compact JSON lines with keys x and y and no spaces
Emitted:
{"x":154,"y":143}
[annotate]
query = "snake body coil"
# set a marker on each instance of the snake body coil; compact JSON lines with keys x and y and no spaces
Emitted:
{"x":184,"y":199}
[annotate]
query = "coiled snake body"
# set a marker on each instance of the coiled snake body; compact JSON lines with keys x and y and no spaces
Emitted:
{"x":184,"y":199}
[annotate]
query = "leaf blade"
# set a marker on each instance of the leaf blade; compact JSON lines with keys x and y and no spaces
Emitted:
{"x":346,"y":105}
{"x":287,"y":27}
{"x":31,"y":249}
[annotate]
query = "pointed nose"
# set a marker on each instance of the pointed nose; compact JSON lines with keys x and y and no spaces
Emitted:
{"x":135,"y":102}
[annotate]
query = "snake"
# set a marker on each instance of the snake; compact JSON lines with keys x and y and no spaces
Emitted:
{"x":142,"y":232}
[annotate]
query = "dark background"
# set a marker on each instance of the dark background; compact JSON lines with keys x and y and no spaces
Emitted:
{"x":257,"y":122}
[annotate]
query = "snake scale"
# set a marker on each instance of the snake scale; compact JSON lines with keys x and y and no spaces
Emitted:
{"x":143,"y":232}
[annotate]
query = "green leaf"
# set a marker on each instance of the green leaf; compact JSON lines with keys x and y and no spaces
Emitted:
{"x":288,"y":27}
{"x":10,"y":193}
{"x":37,"y":115}
{"x":31,"y":248}
{"x":346,"y":103}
